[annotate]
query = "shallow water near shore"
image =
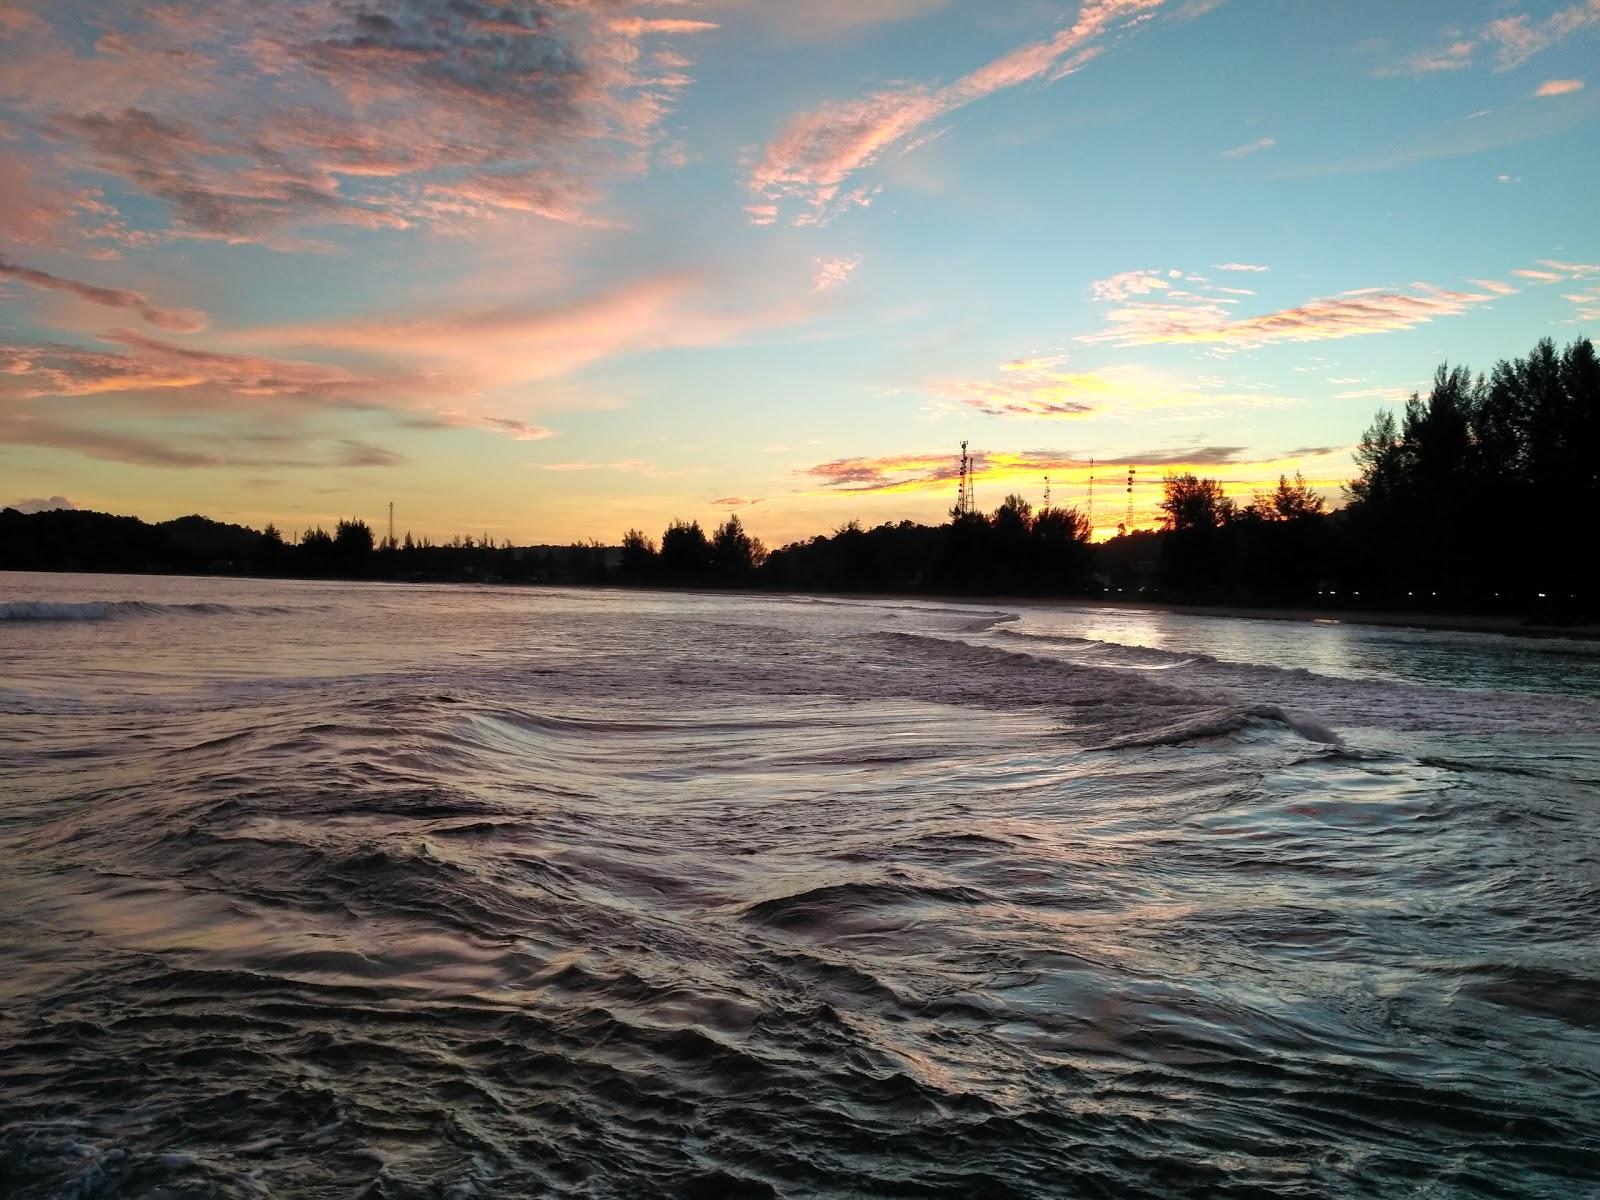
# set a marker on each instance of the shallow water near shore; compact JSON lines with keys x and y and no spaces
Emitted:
{"x":334,"y":890}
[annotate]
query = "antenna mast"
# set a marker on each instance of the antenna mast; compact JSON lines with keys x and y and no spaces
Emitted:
{"x":391,"y":524}
{"x":1091,"y":497}
{"x":1131,"y":474}
{"x":964,"y":500}
{"x":1047,"y":491}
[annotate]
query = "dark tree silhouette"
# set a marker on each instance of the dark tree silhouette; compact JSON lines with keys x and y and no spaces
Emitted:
{"x":639,"y":560}
{"x":685,"y":553}
{"x":1483,"y":495}
{"x":1194,"y":556}
{"x":734,"y":553}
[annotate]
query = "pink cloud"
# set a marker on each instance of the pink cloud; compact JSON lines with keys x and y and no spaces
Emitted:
{"x":1128,"y":283}
{"x":1558,"y":87}
{"x":638,"y":26}
{"x":179,"y":320}
{"x":831,"y":272}
{"x":817,"y":152}
{"x":207,"y":377}
{"x":1518,"y":38}
{"x":526,"y":341}
{"x":1351,"y":314}
{"x":252,"y":122}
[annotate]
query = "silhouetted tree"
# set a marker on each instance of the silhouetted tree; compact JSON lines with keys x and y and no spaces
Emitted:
{"x":353,"y":539}
{"x":1062,"y":553}
{"x":1484,"y":493}
{"x":271,"y":553}
{"x":685,"y":552}
{"x":639,"y":560}
{"x":732,"y":552}
{"x":1291,"y":502}
{"x":1193,"y":558}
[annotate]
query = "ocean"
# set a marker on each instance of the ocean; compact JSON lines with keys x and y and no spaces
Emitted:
{"x":348,"y":890}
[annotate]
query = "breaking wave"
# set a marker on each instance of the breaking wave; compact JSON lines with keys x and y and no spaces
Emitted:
{"x":106,"y":610}
{"x":1220,"y":722}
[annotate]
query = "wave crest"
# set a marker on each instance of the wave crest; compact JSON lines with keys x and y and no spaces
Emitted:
{"x":1219,"y":722}
{"x":106,"y":610}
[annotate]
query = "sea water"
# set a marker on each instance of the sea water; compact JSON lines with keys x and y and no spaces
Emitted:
{"x":339,"y":890}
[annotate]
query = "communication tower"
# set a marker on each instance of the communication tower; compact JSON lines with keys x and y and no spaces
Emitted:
{"x":1131,"y":473}
{"x":1091,"y":496}
{"x":391,"y":523}
{"x":965,"y":504}
{"x":1047,"y":491}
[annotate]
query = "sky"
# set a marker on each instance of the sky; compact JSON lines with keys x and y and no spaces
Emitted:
{"x":552,"y":269}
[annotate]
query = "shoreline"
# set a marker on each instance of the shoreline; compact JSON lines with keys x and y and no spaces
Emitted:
{"x":1388,"y":619}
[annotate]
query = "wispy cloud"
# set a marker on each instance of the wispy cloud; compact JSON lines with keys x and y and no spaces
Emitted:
{"x":254,"y":122}
{"x":1350,"y":314}
{"x":1037,"y":391}
{"x":1129,"y":283}
{"x":1239,"y":266}
{"x":1255,"y":147}
{"x":186,"y":449}
{"x":529,"y":340}
{"x":831,"y":272}
{"x":1519,"y":37}
{"x":1042,"y":388}
{"x":152,"y":380}
{"x":1576,"y":270}
{"x":1454,"y":56}
{"x":209,"y":379}
{"x":816,"y":154}
{"x":1558,"y":87}
{"x":178,"y":320}
{"x":1512,"y":40}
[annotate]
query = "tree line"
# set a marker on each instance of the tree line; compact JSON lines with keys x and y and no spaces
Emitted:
{"x":73,"y":540}
{"x":1481,"y":496}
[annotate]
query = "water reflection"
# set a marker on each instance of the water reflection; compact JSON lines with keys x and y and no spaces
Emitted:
{"x":1435,"y":658}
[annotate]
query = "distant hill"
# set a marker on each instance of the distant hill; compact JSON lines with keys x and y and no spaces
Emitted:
{"x":202,"y":536}
{"x":76,"y":540}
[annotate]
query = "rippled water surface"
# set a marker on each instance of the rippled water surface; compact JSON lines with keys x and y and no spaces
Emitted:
{"x":319,"y":890}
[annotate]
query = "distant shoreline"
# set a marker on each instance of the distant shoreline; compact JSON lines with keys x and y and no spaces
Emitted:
{"x":1444,"y":622}
{"x":1433,"y":621}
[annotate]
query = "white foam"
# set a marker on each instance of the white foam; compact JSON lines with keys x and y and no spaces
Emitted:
{"x":102,"y":610}
{"x":1219,"y":722}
